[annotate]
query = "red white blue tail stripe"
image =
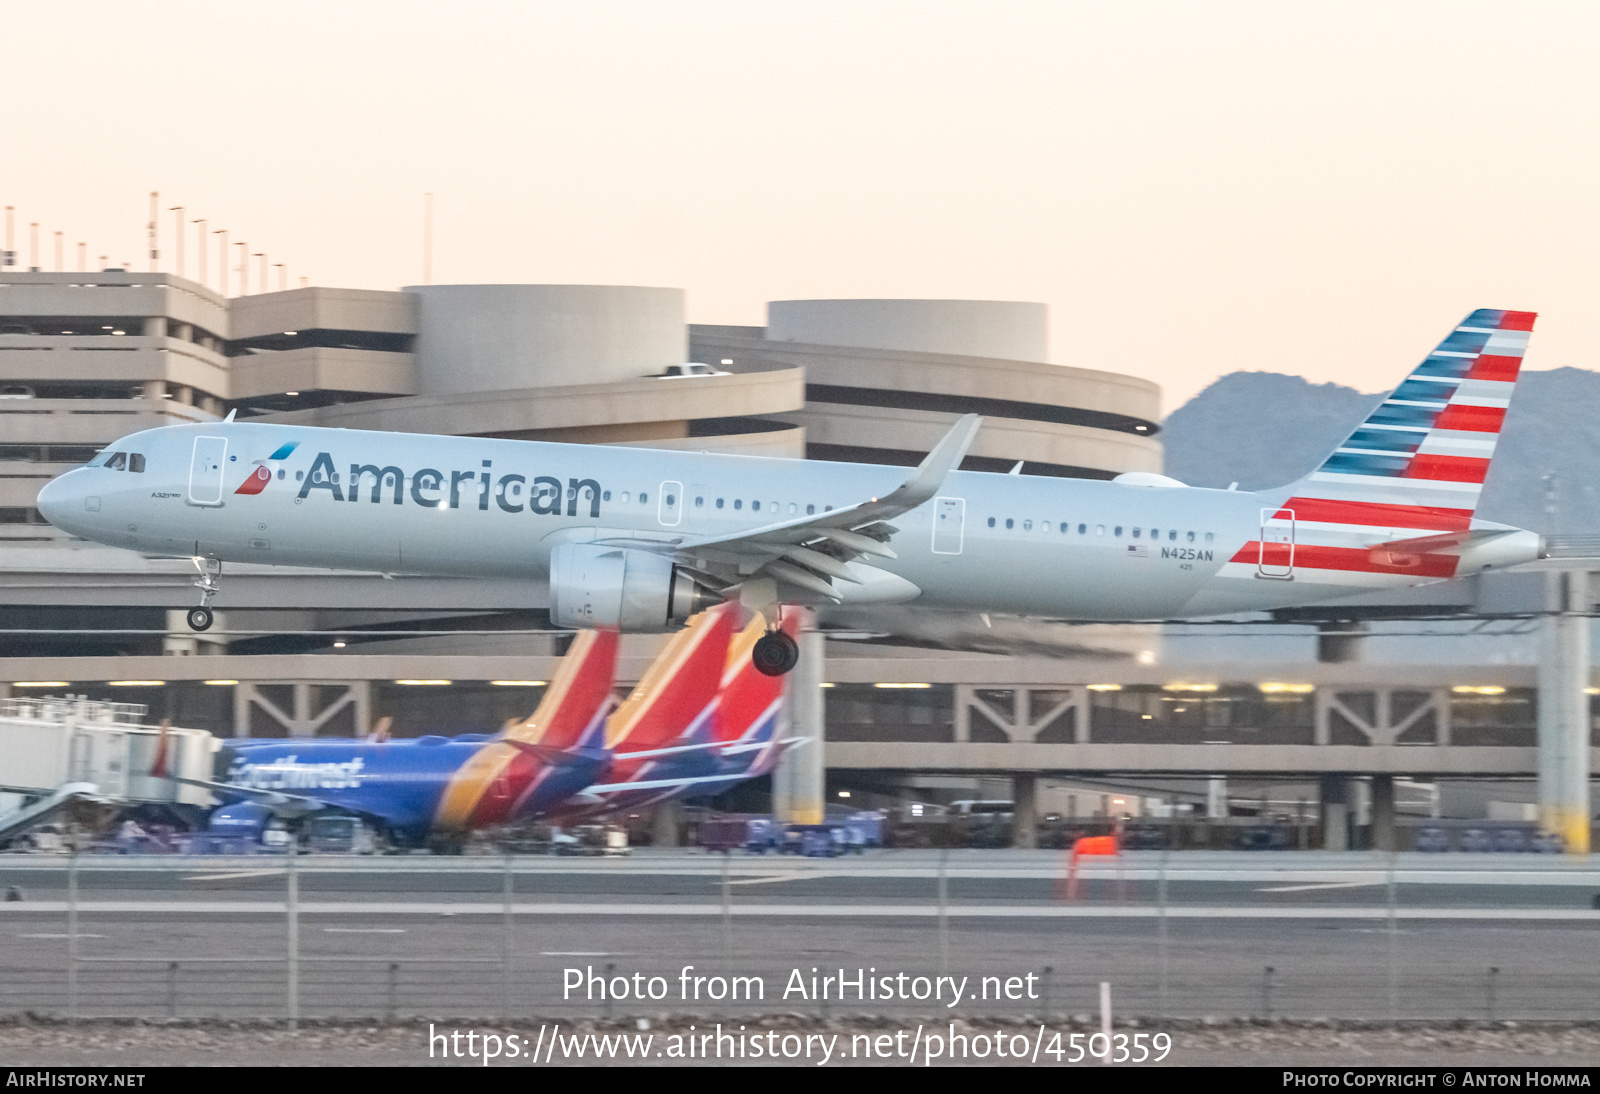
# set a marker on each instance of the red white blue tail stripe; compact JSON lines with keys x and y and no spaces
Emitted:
{"x":1414,"y":469}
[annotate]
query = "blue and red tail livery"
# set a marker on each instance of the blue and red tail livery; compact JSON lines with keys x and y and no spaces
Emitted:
{"x":1412,"y":472}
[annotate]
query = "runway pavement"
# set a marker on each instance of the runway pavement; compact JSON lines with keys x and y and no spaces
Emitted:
{"x":437,"y":936}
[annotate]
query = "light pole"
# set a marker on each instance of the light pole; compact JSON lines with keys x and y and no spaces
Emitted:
{"x":283,"y":276}
{"x":83,"y":257}
{"x":33,"y":247}
{"x":222,"y":258}
{"x":264,"y":284}
{"x":244,"y":268}
{"x":154,"y":229}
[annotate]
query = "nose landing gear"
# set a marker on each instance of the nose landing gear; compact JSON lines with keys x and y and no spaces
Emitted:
{"x":209,"y":583}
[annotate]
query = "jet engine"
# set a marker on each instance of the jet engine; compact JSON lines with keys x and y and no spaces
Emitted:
{"x":615,"y":588}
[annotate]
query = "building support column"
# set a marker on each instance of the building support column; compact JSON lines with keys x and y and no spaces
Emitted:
{"x":1339,"y":641}
{"x":1335,"y":794}
{"x":666,"y":823}
{"x":1025,"y":810}
{"x":1564,"y":711}
{"x":1383,"y":829}
{"x":798,"y":780}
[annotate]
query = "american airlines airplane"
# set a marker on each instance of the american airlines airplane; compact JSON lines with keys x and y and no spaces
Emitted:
{"x":639,"y":540}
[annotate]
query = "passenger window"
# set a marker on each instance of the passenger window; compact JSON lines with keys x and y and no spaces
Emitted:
{"x":1117,"y":531}
{"x":626,"y":496}
{"x":719,"y":503}
{"x":738,"y":503}
{"x":1027,"y":526}
{"x":644,"y":499}
{"x":298,"y":475}
{"x":1191,"y":537}
{"x":1208,"y":537}
{"x":1064,"y":527}
{"x":281,"y":474}
{"x":1173,"y":535}
{"x":1083,"y":529}
{"x":699,"y":503}
{"x":755,"y":507}
{"x":118,"y":461}
{"x":1099,"y":529}
{"x":136,"y":461}
{"x":1135,"y":532}
{"x":810,"y":509}
{"x":1010,"y":524}
{"x":603,"y":497}
{"x":793,"y":508}
{"x":991,"y":522}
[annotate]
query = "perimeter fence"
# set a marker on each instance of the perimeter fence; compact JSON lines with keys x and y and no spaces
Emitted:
{"x":963,"y":934}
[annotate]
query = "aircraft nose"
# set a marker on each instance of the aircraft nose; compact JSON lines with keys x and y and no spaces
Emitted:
{"x":59,"y":498}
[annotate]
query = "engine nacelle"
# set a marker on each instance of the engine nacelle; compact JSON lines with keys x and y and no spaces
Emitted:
{"x":615,"y":588}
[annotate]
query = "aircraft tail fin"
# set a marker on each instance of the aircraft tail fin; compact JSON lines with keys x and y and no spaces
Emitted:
{"x":679,"y":685}
{"x":160,"y":766}
{"x":1419,"y":460}
{"x":575,"y":705}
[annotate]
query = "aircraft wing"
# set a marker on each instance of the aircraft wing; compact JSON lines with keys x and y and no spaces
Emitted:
{"x":286,"y":805}
{"x":810,"y":552}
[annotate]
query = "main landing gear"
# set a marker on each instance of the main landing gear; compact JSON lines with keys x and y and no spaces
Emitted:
{"x":209,"y":583}
{"x":775,"y":654}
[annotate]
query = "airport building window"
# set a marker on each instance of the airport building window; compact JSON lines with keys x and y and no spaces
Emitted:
{"x":862,"y":712}
{"x":1232,"y":714}
{"x":462,"y":707}
{"x":1510,"y":718}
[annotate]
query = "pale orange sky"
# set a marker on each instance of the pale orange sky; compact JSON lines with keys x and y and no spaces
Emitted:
{"x":1193,"y":188}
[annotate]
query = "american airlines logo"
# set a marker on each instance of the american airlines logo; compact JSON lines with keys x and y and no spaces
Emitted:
{"x":287,"y":773}
{"x":434,"y":489}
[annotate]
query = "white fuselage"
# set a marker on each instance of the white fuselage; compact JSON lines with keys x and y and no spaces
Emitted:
{"x":409,"y":503}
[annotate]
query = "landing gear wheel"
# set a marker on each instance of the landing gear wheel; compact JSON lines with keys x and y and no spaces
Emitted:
{"x":200,"y":619}
{"x":775,"y":654}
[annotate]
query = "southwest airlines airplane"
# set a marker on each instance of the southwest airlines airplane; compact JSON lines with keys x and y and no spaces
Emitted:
{"x":640,"y":540}
{"x":702,"y":720}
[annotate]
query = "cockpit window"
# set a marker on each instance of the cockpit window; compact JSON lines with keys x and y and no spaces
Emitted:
{"x":118,"y":461}
{"x":136,"y":461}
{"x":99,"y":459}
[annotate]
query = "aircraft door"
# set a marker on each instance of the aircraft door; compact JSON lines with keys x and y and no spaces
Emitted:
{"x":670,"y":510}
{"x":949,"y":525}
{"x":205,"y":470}
{"x":1277,"y":544}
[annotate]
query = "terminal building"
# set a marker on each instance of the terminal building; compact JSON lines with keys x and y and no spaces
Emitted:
{"x":1086,"y":721}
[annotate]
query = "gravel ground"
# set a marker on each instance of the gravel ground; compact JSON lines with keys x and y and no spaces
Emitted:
{"x":1320,"y":1044}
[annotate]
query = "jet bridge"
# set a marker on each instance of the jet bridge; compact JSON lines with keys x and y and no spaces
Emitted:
{"x":107,"y":749}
